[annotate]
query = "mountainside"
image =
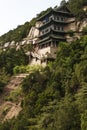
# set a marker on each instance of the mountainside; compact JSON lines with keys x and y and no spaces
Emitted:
{"x":53,"y":97}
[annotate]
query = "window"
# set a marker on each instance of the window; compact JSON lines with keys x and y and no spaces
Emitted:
{"x":57,"y":18}
{"x":62,"y":19}
{"x":55,"y":27}
{"x":47,"y":19}
{"x":58,"y":28}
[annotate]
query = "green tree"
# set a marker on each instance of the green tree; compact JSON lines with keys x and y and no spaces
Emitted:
{"x":67,"y":116}
{"x":84,"y":120}
{"x":81,"y":97}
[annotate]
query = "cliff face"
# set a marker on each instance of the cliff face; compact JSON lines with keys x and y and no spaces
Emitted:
{"x":31,"y":38}
{"x":34,"y":31}
{"x":81,"y":24}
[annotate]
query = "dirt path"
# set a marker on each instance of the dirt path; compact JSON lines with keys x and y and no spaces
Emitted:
{"x":9,"y":109}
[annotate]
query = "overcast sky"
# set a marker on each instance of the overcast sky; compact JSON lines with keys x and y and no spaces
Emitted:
{"x":17,"y":12}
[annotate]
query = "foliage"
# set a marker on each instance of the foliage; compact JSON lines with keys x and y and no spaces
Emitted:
{"x":17,"y":34}
{"x":55,"y":96}
{"x":6,"y":126}
{"x":76,"y":6}
{"x":43,"y":12}
{"x":14,"y":95}
{"x":84,"y":121}
{"x":26,"y":69}
{"x":11,"y":58}
{"x":4,"y":78}
{"x":67,"y":116}
{"x":84,"y":30}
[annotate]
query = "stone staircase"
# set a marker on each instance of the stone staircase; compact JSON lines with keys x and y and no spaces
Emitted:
{"x":9,"y":108}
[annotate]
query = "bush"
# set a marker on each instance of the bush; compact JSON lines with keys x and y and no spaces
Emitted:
{"x":19,"y":69}
{"x":84,"y":31}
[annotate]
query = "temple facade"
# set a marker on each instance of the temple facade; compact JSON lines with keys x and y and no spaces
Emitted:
{"x":55,"y":25}
{"x":54,"y":28}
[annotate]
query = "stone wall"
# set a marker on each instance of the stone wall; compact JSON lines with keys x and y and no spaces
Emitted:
{"x":51,"y":51}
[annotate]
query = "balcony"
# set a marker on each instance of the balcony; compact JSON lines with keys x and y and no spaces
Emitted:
{"x":46,"y":23}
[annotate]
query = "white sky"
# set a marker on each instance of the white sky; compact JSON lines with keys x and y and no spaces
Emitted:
{"x":17,"y":12}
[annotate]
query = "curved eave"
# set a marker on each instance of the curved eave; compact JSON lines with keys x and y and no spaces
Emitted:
{"x":50,"y":38}
{"x":57,"y":37}
{"x":40,"y":18}
{"x":52,"y":20}
{"x":58,"y":31}
{"x":44,"y":42}
{"x":52,"y":30}
{"x":44,"y":25}
{"x":61,"y":22}
{"x":66,"y":13}
{"x":54,"y":11}
{"x":40,"y":36}
{"x":45,"y":39}
{"x":61,"y":9}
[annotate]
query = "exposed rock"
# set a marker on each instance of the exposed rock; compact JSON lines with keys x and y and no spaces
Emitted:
{"x":85,"y":8}
{"x":34,"y":33}
{"x":83,"y":24}
{"x":13,"y":112}
{"x":6,"y":44}
{"x":12,"y":43}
